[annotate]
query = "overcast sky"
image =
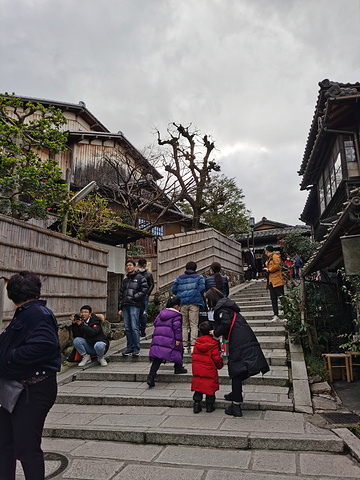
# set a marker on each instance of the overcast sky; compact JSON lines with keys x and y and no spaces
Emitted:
{"x":244,"y":71}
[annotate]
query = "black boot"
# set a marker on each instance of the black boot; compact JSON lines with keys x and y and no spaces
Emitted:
{"x":210,"y":407}
{"x":197,"y":407}
{"x":229,"y":397}
{"x":142,"y":333}
{"x":150,"y":380}
{"x":234,"y":410}
{"x":178,"y":369}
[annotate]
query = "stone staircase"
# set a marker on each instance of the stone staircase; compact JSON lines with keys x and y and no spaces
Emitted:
{"x":115,"y":404}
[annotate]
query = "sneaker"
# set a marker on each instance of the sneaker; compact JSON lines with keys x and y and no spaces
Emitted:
{"x":150,"y":381}
{"x":102,"y":361}
{"x":234,"y":410}
{"x":136,"y":354}
{"x":85,"y":360}
{"x":275,"y":319}
{"x":197,"y":408}
{"x":210,"y":407}
{"x":127,"y":353}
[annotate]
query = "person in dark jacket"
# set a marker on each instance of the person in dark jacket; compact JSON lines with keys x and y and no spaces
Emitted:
{"x":245,"y":355}
{"x":89,"y":338}
{"x":29,"y":353}
{"x":150,"y":281}
{"x":166,"y":344}
{"x":189,"y":287}
{"x":217,"y":280}
{"x":131,"y":302}
{"x":206,"y":361}
{"x":251,"y":263}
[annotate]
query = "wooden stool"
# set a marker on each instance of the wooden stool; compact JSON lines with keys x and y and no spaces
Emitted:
{"x":352,"y":364}
{"x":345,"y":368}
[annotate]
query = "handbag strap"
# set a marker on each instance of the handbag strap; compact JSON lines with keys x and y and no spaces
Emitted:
{"x":232,"y":324}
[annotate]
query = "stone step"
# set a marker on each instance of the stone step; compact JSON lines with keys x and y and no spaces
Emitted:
{"x":164,"y":425}
{"x":133,"y":369}
{"x":127,"y":390}
{"x":255,"y":306}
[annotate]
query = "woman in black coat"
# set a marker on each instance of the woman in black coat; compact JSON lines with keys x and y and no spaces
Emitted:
{"x":30,"y":354}
{"x":245,"y":355}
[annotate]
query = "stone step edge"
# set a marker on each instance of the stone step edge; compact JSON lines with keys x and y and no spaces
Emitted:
{"x":118,"y":400}
{"x":223,"y":439}
{"x":169,"y":378}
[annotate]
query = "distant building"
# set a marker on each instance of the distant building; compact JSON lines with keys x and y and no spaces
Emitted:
{"x":269,"y":232}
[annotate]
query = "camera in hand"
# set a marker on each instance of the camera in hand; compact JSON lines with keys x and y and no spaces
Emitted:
{"x":77,"y":317}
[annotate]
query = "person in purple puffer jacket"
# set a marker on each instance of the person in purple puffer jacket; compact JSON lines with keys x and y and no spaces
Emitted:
{"x":166,"y":344}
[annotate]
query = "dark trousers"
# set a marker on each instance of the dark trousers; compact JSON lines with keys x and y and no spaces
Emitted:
{"x":156,"y":364}
{"x":21,"y":430}
{"x":275,"y":293}
{"x":198,"y":396}
{"x":236,"y":384}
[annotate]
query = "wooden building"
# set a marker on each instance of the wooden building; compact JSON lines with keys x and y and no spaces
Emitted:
{"x":330,"y":170}
{"x":89,"y":144}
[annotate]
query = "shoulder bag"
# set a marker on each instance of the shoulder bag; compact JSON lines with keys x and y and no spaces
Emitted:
{"x":10,"y":391}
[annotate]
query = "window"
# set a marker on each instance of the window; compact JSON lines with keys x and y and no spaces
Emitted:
{"x":331,"y":177}
{"x":350,"y":157}
{"x":158,"y":230}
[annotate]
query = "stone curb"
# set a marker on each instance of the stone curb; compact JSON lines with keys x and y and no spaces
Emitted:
{"x":350,"y":440}
{"x":302,"y":395}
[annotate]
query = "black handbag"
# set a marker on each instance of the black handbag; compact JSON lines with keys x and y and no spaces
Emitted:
{"x":10,"y":391}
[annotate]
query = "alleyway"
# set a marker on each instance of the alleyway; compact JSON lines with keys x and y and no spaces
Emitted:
{"x":108,"y":425}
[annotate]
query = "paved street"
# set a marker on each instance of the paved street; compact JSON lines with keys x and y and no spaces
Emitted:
{"x":108,"y":425}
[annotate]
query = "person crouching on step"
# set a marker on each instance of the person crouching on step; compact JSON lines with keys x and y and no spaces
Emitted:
{"x":166,"y":344}
{"x":206,"y":361}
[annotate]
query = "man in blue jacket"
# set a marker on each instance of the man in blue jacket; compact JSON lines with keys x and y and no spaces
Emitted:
{"x":190,"y":287}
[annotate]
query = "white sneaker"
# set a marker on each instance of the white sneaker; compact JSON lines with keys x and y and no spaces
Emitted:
{"x":102,"y":361}
{"x":275,"y":319}
{"x":85,"y":360}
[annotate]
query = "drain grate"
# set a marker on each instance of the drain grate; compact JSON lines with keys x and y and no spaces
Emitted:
{"x":341,"y":418}
{"x":52,"y":456}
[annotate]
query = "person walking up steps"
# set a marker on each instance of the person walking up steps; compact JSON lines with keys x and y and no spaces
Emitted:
{"x":189,"y":287}
{"x":206,"y":361}
{"x":166,"y":344}
{"x":275,"y":279}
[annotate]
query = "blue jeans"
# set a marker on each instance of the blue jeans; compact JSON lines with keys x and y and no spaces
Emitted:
{"x":84,"y":348}
{"x":143,"y":317}
{"x":131,"y":316}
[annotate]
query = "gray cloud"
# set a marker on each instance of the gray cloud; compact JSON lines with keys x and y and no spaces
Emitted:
{"x":244,"y":71}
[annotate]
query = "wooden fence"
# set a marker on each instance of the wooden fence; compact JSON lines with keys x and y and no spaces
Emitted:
{"x":73,"y":273}
{"x":201,"y":246}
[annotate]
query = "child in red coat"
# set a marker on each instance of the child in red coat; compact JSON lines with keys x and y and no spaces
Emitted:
{"x":206,"y":361}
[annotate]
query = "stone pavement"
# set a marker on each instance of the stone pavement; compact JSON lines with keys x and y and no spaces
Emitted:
{"x":107,"y":423}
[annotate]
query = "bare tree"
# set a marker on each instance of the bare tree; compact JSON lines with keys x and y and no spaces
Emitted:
{"x":139,"y":190}
{"x":189,"y":162}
